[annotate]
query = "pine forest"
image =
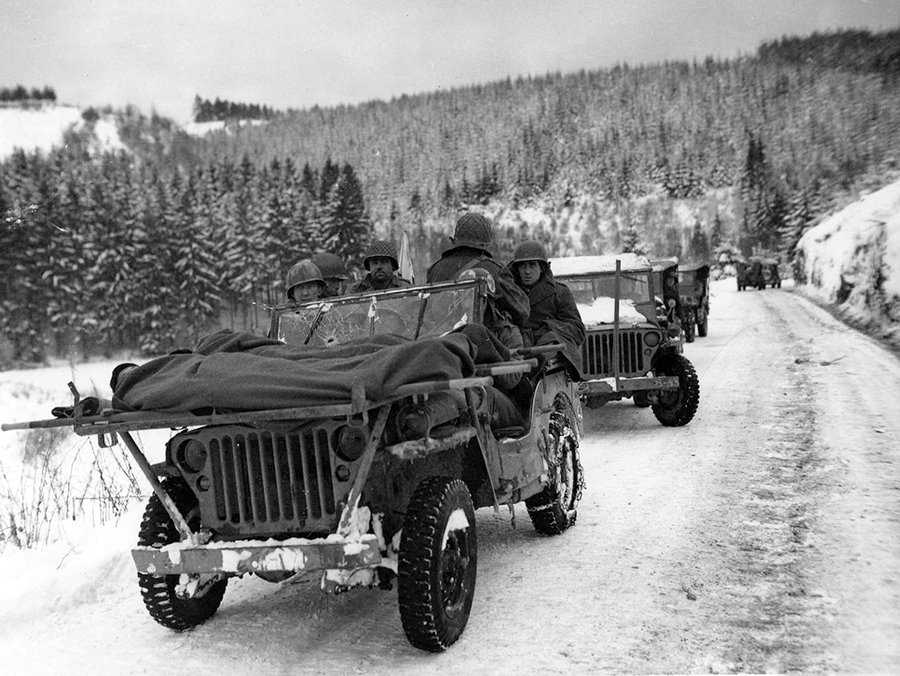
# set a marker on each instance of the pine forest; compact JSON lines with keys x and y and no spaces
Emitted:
{"x":149,"y":248}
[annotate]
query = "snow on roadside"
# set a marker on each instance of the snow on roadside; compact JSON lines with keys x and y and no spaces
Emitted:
{"x":63,"y":474}
{"x":86,"y":563}
{"x":852,"y":259}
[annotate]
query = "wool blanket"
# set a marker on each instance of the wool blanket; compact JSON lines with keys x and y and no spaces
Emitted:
{"x":231,"y":371}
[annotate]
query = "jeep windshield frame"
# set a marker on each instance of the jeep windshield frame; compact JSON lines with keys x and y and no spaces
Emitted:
{"x":415,"y":312}
{"x":634,"y":285}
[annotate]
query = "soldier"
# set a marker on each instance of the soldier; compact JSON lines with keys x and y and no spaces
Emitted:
{"x":382,"y":265}
{"x":554,"y":316}
{"x":333,"y":272}
{"x":472,"y":241}
{"x":305,"y":282}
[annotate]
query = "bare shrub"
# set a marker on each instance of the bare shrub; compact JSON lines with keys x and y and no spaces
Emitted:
{"x":62,"y":477}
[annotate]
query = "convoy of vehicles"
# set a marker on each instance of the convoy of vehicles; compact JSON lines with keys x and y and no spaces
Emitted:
{"x":758,"y":272}
{"x":365,"y":491}
{"x":630,"y":351}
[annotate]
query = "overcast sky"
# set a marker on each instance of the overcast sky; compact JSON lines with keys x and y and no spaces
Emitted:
{"x":157,"y":54}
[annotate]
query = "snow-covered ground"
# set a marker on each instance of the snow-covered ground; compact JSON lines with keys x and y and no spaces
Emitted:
{"x":35,"y":129}
{"x":44,"y":127}
{"x":759,"y":538}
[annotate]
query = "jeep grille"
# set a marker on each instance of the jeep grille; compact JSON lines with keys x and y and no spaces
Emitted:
{"x":596,"y":354}
{"x":268,"y":482}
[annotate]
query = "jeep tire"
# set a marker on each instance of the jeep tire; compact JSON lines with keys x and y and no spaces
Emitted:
{"x":675,"y":408}
{"x":554,"y":509}
{"x":437,"y":563}
{"x":158,"y":591}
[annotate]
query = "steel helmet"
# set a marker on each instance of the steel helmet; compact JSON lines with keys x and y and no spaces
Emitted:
{"x":330,"y":265}
{"x":300,"y":273}
{"x":473,"y":230}
{"x":530,"y":250}
{"x":381,"y":248}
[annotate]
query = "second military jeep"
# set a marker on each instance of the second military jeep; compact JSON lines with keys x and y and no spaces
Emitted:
{"x":331,"y":454}
{"x":629,"y":352}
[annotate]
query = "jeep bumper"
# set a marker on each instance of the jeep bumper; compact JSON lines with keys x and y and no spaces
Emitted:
{"x":627,"y":385}
{"x":295,"y":555}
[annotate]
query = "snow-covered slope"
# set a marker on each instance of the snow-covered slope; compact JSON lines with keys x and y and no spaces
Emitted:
{"x":852,"y":259}
{"x":41,"y":128}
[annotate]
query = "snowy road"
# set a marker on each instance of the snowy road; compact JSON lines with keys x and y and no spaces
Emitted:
{"x":764,"y":536}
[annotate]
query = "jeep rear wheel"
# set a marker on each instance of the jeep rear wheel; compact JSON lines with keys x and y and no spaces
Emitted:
{"x":702,"y":325}
{"x":554,"y":509}
{"x":437,"y":563}
{"x":675,"y":408}
{"x":159,"y":591}
{"x":689,"y":327}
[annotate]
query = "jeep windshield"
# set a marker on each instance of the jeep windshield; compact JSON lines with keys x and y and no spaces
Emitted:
{"x":595,"y":295}
{"x":417,"y":312}
{"x":634,"y":286}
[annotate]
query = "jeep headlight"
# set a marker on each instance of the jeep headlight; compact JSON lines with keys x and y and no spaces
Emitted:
{"x":192,"y":455}
{"x":351,"y":442}
{"x":652,"y":339}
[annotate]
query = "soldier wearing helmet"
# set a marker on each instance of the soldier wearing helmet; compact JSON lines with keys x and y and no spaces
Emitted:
{"x":333,"y":272}
{"x":305,"y":282}
{"x":472,"y":242}
{"x":382,"y":265}
{"x":554,"y":317}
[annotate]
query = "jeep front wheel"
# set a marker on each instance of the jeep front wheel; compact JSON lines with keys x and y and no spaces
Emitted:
{"x":675,"y":408}
{"x":159,"y":591}
{"x":437,"y":563}
{"x":554,"y":509}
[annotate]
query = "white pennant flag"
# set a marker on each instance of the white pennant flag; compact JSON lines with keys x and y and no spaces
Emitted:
{"x":406,"y":266}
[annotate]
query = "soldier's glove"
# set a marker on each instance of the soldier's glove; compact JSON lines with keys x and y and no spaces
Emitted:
{"x":86,"y":407}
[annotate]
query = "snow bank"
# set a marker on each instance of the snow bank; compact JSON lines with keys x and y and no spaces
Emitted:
{"x":853,"y":258}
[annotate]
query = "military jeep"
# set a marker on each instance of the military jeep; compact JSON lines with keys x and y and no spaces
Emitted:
{"x":628,"y":351}
{"x":374,"y":484}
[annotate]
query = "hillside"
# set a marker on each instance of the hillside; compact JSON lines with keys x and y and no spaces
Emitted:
{"x":672,"y":159}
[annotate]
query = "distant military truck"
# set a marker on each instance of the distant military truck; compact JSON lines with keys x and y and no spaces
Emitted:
{"x":693,"y":289}
{"x":628,"y":351}
{"x":750,"y":274}
{"x":770,"y":274}
{"x":758,"y":272}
